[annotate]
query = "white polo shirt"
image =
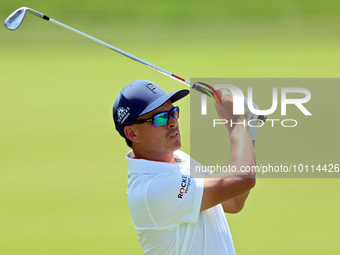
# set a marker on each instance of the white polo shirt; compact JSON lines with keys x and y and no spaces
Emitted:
{"x":165,"y":202}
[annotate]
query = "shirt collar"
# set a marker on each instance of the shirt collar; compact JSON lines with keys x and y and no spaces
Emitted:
{"x":152,"y":167}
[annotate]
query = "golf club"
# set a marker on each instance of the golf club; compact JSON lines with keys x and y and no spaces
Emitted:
{"x":15,"y":19}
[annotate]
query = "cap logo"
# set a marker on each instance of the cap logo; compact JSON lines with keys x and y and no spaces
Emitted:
{"x":122,"y":114}
{"x":151,"y":87}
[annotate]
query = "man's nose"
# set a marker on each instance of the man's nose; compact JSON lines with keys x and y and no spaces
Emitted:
{"x":172,"y":122}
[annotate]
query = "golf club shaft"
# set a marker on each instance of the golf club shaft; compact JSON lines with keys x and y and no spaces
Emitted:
{"x":15,"y":19}
{"x":124,"y":53}
{"x":200,"y":88}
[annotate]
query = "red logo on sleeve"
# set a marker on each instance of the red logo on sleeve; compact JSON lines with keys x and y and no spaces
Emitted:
{"x":184,"y":186}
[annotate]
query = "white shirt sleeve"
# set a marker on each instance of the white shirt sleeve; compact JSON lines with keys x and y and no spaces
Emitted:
{"x":173,"y":199}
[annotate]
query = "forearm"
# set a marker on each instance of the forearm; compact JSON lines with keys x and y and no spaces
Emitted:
{"x":232,"y":187}
{"x":235,"y":204}
{"x":242,"y":150}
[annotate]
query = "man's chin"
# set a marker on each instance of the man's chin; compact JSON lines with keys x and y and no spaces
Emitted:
{"x":178,"y":145}
{"x":175,"y":142}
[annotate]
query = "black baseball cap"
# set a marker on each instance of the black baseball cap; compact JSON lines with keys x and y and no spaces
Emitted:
{"x":139,"y":98}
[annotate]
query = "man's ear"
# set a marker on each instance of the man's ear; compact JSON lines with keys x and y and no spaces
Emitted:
{"x":131,"y":134}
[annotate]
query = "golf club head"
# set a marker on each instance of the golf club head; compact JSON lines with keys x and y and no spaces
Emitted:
{"x":15,"y":19}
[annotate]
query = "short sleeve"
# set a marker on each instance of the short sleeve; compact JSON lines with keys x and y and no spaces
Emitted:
{"x":173,"y":199}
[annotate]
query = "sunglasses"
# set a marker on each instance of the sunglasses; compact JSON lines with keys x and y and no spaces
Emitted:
{"x":159,"y":119}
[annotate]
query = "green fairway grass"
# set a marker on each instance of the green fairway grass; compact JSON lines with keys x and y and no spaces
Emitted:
{"x":63,"y":175}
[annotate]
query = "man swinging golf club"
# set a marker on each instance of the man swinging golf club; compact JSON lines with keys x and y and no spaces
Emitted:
{"x":173,"y":212}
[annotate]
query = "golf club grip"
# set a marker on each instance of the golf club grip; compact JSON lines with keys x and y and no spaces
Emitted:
{"x":202,"y":89}
{"x":209,"y":92}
